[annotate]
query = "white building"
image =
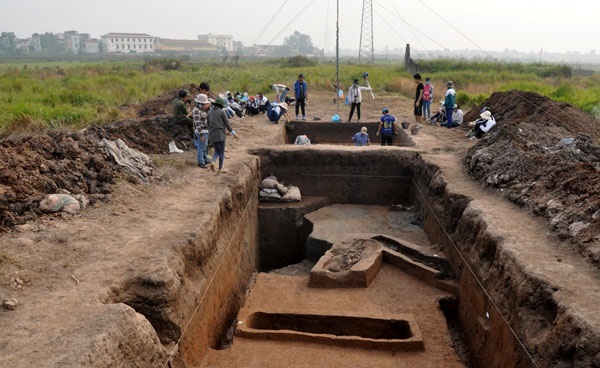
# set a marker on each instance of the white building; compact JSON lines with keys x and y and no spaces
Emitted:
{"x":22,"y":44}
{"x":224,"y":41}
{"x":75,"y":41}
{"x":128,"y":42}
{"x":91,"y":46}
{"x":36,"y":42}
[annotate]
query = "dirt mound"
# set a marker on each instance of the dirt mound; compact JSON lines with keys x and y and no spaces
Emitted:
{"x":35,"y":166}
{"x":543,"y":155}
{"x":32,"y":167}
{"x":161,"y":104}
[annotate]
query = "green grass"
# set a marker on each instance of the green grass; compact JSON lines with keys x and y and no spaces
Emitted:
{"x":71,"y":95}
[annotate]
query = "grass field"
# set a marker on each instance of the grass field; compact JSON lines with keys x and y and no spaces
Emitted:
{"x":37,"y":96}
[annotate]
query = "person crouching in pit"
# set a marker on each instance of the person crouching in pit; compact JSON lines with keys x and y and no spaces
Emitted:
{"x":218,"y":126}
{"x":361,"y":138}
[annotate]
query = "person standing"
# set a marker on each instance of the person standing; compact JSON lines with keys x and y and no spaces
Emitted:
{"x":301,"y":94}
{"x":200,"y":116}
{"x":418,"y":110}
{"x":355,"y":98}
{"x":427,"y":98}
{"x":361,"y":138}
{"x":218,"y":125}
{"x":387,"y":128}
{"x":449,"y":102}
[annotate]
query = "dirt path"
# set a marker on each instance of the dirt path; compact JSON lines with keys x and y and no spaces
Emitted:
{"x":62,"y":271}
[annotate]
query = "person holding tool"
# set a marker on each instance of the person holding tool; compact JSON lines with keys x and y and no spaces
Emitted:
{"x":355,"y":98}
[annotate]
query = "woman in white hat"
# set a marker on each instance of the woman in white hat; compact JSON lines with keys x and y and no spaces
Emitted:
{"x":483,"y":125}
{"x":278,"y":110}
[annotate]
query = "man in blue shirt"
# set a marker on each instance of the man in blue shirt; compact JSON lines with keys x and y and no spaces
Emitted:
{"x":387,"y":128}
{"x":301,"y":94}
{"x":361,"y":138}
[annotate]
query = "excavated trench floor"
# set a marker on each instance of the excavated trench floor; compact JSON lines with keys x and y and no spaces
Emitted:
{"x":393,"y":294}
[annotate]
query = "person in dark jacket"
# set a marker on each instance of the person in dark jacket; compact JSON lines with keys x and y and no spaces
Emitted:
{"x":301,"y":94}
{"x":181,"y":114}
{"x":449,"y":102}
{"x":218,"y":126}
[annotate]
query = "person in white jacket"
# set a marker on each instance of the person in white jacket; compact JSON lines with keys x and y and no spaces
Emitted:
{"x":355,"y":98}
{"x":483,"y":125}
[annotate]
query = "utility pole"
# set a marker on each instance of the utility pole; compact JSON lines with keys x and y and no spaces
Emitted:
{"x":337,"y":54}
{"x":365,"y":49}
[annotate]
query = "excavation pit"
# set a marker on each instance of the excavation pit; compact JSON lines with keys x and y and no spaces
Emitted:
{"x":338,"y":186}
{"x":173,"y":271}
{"x":395,"y":332}
{"x":344,"y":191}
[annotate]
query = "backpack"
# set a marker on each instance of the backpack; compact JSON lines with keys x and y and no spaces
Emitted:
{"x":272,"y":114}
{"x":427,"y":92}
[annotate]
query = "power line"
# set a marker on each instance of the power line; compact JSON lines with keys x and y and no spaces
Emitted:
{"x":295,"y":18}
{"x":325,"y":43}
{"x":262,"y":32}
{"x":411,"y":27}
{"x":457,"y":30}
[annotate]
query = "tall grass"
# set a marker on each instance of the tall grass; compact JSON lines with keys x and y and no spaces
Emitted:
{"x":74,"y":95}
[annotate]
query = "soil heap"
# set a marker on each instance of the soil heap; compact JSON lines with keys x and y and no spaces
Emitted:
{"x":543,"y":155}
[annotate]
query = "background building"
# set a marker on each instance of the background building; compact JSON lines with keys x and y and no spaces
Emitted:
{"x":166,"y":45}
{"x":128,"y":42}
{"x":221,"y":41}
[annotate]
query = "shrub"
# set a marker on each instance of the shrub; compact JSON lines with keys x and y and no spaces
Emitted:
{"x":299,"y":61}
{"x":556,"y":71}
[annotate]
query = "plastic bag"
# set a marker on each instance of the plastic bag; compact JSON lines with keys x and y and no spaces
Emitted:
{"x":335,"y":118}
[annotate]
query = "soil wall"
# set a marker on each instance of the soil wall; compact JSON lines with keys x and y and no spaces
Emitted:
{"x":193,"y":297}
{"x":342,"y":175}
{"x":283,"y":231}
{"x":339,"y":133}
{"x":552,"y":334}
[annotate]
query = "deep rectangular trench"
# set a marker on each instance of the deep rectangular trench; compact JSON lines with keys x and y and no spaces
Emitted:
{"x":384,"y":177}
{"x":388,"y":176}
{"x":335,"y":325}
{"x":396,"y":333}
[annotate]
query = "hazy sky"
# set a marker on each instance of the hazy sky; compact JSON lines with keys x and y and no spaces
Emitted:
{"x":490,"y":25}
